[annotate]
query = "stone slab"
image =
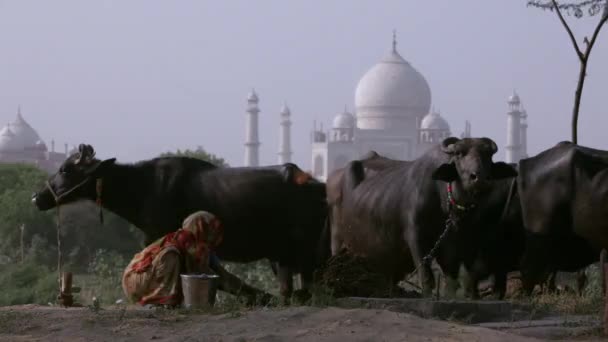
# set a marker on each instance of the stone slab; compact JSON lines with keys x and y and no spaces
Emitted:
{"x":461,"y":310}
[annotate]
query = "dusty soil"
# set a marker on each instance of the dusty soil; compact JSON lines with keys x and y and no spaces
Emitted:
{"x":39,"y":323}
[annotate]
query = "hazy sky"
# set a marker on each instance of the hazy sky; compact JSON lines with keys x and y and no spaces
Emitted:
{"x":136,"y":78}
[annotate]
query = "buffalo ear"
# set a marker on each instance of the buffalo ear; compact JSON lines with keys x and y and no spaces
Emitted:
{"x":100,"y":167}
{"x":446,"y":173}
{"x":502,"y":170}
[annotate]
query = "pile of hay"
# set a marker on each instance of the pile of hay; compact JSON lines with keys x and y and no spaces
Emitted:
{"x":347,"y":275}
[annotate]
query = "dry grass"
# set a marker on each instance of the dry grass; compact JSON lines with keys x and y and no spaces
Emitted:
{"x":567,"y":301}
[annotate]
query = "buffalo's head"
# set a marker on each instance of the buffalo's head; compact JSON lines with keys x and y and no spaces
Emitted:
{"x":74,"y":181}
{"x":471,"y":164}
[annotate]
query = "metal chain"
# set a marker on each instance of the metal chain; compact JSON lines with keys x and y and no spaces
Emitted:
{"x":449,"y":223}
{"x":59,"y":254}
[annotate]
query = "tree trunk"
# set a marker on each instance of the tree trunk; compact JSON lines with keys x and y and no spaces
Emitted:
{"x":577,"y":100}
{"x":605,"y":268}
{"x":603,"y":257}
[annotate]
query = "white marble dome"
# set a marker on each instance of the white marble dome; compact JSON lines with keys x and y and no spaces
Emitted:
{"x":344,"y":120}
{"x":434,"y":121}
{"x":8,"y":140}
{"x":24,"y":133}
{"x":391,"y":88}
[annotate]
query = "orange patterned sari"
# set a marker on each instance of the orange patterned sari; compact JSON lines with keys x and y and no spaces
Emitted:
{"x":152,"y":277}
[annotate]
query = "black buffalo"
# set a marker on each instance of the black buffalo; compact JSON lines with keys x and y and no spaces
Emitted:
{"x":396,"y":216}
{"x":499,"y":237}
{"x":371,"y":162}
{"x":275,"y":212}
{"x":564,"y":198}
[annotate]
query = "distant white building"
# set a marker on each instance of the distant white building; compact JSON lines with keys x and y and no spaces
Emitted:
{"x":20,"y":143}
{"x":252,"y":141}
{"x":517,"y":131}
{"x":285,"y":136}
{"x":392,"y":116}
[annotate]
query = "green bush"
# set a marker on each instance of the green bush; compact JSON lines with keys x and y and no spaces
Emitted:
{"x":104,"y":278}
{"x":27,"y":282}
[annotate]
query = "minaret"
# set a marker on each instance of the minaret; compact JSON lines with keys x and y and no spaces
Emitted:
{"x":252,"y":143}
{"x":524,"y":133}
{"x":395,"y":41}
{"x":467,"y":130}
{"x":285,"y":136}
{"x":513,"y":148}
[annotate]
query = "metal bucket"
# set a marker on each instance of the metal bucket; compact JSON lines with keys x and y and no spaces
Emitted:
{"x":199,"y":290}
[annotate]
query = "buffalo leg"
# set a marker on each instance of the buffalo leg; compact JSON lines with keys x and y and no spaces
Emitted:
{"x":285,"y":282}
{"x":450,"y":262}
{"x":306,"y":279}
{"x":472,"y":285}
{"x":550,"y":283}
{"x":427,"y":280}
{"x":534,"y":265}
{"x":425,"y":273}
{"x":451,"y":271}
{"x":335,"y":229}
{"x":500,"y":284}
{"x":581,"y":281}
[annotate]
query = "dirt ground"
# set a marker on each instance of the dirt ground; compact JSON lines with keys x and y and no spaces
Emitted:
{"x":40,"y":323}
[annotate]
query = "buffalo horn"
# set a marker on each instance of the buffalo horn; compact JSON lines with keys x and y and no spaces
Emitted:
{"x":447,"y":145}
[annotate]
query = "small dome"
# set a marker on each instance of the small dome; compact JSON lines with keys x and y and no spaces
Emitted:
{"x":8,"y":140}
{"x":285,"y":110}
{"x":40,"y":145}
{"x":434,"y":121}
{"x":514,"y":98}
{"x":252,"y":97}
{"x":344,"y":120}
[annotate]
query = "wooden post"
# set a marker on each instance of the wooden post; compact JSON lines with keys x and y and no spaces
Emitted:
{"x":66,"y":282}
{"x":604,"y":273}
{"x":65,"y":296}
{"x":22,"y":228}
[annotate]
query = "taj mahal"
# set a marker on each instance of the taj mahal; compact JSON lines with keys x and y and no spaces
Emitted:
{"x":20,"y":143}
{"x":393,"y":116}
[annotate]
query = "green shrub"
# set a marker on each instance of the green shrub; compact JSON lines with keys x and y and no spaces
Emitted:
{"x":27,"y":283}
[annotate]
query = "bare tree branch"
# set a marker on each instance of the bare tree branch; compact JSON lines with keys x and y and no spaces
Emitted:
{"x":574,"y":7}
{"x":594,"y":7}
{"x":579,"y":53}
{"x":601,"y":23}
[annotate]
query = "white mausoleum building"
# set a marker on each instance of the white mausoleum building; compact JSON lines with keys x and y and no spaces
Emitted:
{"x":392,"y":116}
{"x":20,"y":143}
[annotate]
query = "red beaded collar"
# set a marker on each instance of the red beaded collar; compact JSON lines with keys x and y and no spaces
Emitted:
{"x":452,"y":201}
